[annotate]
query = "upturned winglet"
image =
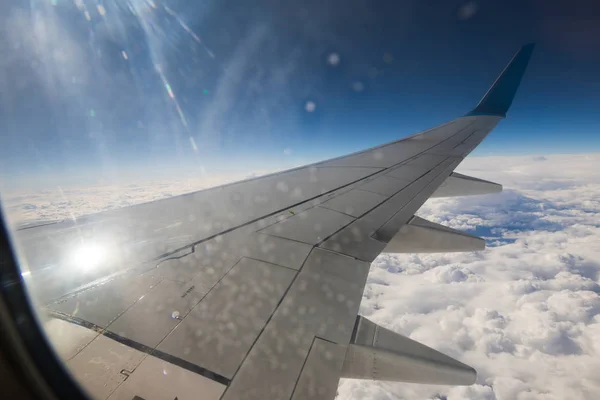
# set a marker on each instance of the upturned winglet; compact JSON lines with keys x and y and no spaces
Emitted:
{"x":499,"y":97}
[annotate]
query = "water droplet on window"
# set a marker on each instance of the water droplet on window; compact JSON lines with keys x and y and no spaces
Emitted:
{"x":467,"y":10}
{"x":282,"y":186}
{"x":358,"y":86}
{"x":333,"y":59}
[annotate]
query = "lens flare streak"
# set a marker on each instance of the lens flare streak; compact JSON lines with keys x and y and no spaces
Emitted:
{"x":152,"y":18}
{"x":171,"y":94}
{"x":188,"y":30}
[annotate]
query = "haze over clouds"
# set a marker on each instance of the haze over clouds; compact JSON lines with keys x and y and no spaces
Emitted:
{"x":28,"y":207}
{"x":525,"y":312}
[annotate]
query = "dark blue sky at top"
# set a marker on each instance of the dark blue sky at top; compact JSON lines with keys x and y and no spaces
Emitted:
{"x":86,"y":85}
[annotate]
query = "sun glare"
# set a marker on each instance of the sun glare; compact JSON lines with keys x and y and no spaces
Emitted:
{"x":88,"y":256}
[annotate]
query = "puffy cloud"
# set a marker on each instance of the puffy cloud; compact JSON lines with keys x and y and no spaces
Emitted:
{"x":526,"y":311}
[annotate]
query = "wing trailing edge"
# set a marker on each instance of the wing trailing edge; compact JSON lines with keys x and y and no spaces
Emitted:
{"x":500,"y":96}
{"x":422,"y":236}
{"x":462,"y":185}
{"x":376,"y":353}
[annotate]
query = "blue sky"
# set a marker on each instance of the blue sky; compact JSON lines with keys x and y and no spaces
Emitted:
{"x":107,"y":90}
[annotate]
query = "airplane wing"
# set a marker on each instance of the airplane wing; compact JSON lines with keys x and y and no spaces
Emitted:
{"x":251,"y":290}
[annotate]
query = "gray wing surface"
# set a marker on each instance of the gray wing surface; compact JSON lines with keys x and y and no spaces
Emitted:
{"x":251,"y":290}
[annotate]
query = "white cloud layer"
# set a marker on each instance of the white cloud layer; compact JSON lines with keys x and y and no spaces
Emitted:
{"x":31,"y":207}
{"x":526,"y":311}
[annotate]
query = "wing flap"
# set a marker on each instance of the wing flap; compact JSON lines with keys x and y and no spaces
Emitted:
{"x":422,"y":236}
{"x":155,"y":378}
{"x":103,"y":303}
{"x":321,"y":372}
{"x":218,"y":333}
{"x":109,"y":369}
{"x":463,"y":185}
{"x":377,"y":353}
{"x":322,"y":302}
{"x":156,"y":313}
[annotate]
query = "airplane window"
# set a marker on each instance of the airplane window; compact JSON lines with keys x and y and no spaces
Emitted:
{"x":265,"y":199}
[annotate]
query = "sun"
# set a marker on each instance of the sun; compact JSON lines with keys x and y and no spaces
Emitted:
{"x":88,"y":256}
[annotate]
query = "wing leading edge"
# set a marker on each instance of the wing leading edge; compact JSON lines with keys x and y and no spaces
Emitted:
{"x":252,"y":290}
